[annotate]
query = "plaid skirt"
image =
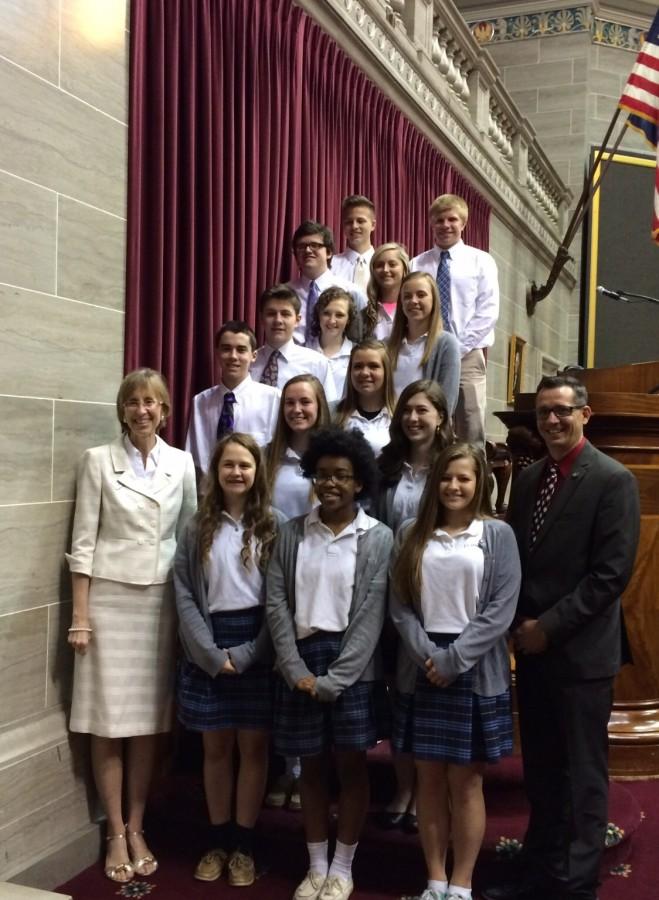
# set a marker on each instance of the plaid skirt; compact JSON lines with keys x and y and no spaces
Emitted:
{"x":227,"y":701}
{"x":452,"y":724}
{"x":307,"y":727}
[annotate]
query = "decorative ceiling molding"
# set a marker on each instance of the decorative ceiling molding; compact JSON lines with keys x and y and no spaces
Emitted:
{"x":558,"y":21}
{"x":423,"y":93}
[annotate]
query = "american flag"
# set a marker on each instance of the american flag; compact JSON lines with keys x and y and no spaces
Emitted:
{"x":640,"y":99}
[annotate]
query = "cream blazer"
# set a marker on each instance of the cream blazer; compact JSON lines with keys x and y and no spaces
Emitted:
{"x":124,"y":529}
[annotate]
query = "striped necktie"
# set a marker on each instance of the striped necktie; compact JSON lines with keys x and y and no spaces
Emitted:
{"x":361,"y":274}
{"x":312,"y":299}
{"x":444,"y":288}
{"x":226,"y":422}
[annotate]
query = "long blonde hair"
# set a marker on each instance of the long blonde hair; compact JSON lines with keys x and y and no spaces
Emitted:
{"x":259,"y":522}
{"x":349,"y":404}
{"x":399,"y":328}
{"x":374,"y":290}
{"x":406,"y":573}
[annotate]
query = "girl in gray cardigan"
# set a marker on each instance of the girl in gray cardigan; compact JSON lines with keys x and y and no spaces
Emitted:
{"x":419,"y":347}
{"x":455,"y":581}
{"x":326,"y":589}
{"x":224,"y":683}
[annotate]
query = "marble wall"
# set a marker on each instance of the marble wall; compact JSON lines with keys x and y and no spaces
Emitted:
{"x":568,"y":86}
{"x":63,"y":84}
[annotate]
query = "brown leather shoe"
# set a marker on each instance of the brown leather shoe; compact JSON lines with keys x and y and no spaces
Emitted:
{"x":211,"y":865}
{"x":241,"y":869}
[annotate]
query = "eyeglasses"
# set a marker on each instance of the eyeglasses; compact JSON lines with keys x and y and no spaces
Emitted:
{"x":309,"y":245}
{"x":561,"y":412}
{"x":149,"y":403}
{"x":334,"y":477}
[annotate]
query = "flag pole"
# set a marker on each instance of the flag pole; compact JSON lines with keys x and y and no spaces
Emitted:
{"x":536,"y":293}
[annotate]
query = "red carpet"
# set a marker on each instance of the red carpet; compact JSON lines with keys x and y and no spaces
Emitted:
{"x":389,"y":865}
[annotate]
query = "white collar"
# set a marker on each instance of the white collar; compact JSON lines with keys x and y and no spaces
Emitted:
{"x":240,"y":389}
{"x":474,"y":529}
{"x":132,"y":451}
{"x":361,"y":523}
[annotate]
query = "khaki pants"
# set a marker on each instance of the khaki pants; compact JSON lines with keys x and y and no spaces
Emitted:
{"x":470,"y":412}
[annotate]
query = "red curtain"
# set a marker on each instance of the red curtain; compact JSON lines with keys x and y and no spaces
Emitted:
{"x":246,"y":118}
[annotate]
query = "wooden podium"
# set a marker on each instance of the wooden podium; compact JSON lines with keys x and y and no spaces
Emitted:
{"x":625,"y":425}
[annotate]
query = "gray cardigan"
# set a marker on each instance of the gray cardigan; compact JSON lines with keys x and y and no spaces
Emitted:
{"x":195,"y":627}
{"x":443,"y":366}
{"x":365,"y":619}
{"x":482,"y":644}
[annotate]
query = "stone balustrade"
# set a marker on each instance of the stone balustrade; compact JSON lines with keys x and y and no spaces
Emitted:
{"x":425,"y":56}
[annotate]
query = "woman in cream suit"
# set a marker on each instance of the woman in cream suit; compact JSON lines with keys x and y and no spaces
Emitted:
{"x":133,"y":498}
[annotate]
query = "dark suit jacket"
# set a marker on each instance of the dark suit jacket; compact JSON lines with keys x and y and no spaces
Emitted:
{"x":581,"y":562}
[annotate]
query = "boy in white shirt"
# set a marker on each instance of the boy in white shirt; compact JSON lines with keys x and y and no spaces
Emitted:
{"x":237,"y":403}
{"x":313,"y":246}
{"x":280,"y":358}
{"x":468,"y":287}
{"x":358,"y":221}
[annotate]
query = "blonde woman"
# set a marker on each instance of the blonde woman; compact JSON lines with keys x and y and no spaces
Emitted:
{"x":134,"y":496}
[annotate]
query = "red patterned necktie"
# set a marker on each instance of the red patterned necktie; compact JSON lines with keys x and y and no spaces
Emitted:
{"x":543,"y":501}
{"x":271,"y":372}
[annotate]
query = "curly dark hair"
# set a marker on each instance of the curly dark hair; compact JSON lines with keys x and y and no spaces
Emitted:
{"x":335,"y":441}
{"x":326,"y":297}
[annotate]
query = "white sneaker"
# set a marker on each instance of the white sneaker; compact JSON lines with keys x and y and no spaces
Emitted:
{"x":336,"y":888}
{"x":430,"y":894}
{"x":310,"y":888}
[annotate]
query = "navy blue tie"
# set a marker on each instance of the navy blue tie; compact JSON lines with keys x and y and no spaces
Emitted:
{"x":312,"y":299}
{"x":226,"y":423}
{"x":444,"y":288}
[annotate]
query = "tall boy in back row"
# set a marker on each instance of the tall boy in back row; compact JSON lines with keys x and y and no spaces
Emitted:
{"x":358,"y":223}
{"x":468,"y":287}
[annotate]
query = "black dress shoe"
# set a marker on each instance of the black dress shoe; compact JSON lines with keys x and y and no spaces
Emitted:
{"x":409,"y":824}
{"x":389,"y":820}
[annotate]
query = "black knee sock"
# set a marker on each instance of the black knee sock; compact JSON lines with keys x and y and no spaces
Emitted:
{"x":222,"y":836}
{"x":244,"y":839}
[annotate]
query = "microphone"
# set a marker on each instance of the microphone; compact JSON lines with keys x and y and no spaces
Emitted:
{"x":605,"y":292}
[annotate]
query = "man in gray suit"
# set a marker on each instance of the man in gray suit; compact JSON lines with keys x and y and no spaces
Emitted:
{"x":576,"y":518}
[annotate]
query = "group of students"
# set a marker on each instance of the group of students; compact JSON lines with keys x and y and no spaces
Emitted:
{"x":312,"y":455}
{"x":430,"y":317}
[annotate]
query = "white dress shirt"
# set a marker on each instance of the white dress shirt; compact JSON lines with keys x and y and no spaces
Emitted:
{"x":231,"y":585}
{"x":384,"y":324}
{"x":292,"y":494}
{"x":376,"y":430}
{"x":325,"y":574}
{"x":296,"y":360}
{"x":144,"y":472}
{"x":327,"y":279}
{"x":345,"y":264}
{"x":254,"y":412}
{"x":474,"y":292}
{"x":407,"y":495}
{"x":451,"y":575}
{"x":338,"y":364}
{"x":408,"y":366}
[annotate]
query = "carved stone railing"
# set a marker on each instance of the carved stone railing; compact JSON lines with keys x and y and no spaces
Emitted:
{"x":423,"y":54}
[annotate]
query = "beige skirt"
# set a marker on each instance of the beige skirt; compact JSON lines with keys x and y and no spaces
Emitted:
{"x":124,"y":685}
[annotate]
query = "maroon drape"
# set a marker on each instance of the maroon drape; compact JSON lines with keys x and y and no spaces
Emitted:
{"x":245,"y":118}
